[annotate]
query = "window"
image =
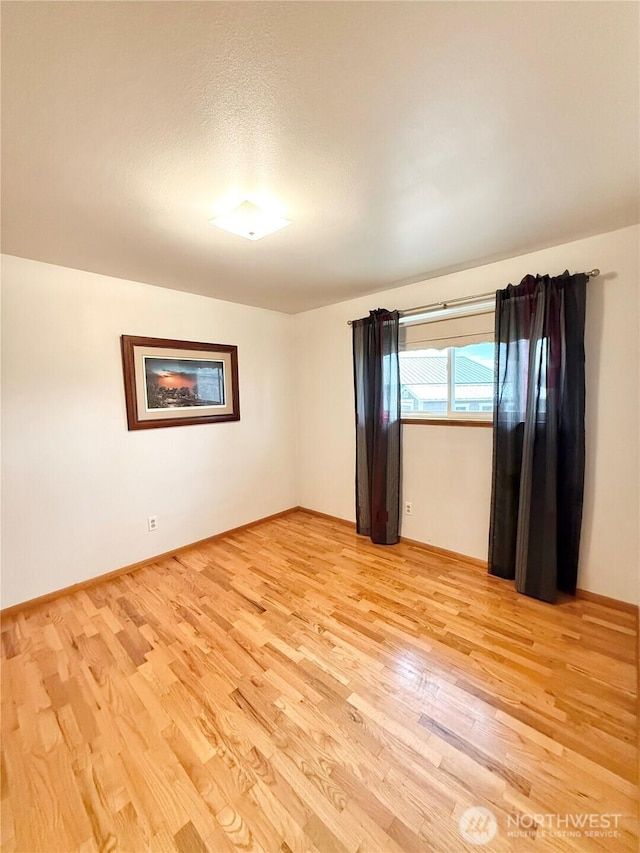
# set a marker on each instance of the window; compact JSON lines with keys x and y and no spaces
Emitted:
{"x":447,"y":365}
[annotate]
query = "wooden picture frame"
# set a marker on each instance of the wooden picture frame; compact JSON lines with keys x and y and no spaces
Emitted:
{"x":179,"y":383}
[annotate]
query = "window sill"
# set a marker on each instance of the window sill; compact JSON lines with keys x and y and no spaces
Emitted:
{"x":464,"y":422}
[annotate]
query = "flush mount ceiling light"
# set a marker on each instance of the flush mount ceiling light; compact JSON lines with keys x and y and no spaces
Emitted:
{"x":250,"y":221}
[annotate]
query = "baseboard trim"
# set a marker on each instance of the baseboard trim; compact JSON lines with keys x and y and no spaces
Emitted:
{"x":125,"y":570}
{"x":605,"y":601}
{"x":476,"y":562}
{"x":583,"y":594}
{"x":335,"y":518}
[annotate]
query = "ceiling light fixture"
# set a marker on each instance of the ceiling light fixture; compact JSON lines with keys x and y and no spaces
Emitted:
{"x":250,"y":221}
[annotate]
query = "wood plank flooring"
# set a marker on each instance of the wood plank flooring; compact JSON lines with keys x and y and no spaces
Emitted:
{"x":292,"y":687}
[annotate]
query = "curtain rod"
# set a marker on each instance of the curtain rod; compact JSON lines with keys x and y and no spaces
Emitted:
{"x":462,"y":299}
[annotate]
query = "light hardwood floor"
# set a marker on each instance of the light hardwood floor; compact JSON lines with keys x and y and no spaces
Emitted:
{"x":293,"y":688}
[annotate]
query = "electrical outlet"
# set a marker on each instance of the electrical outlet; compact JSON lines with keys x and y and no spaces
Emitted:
{"x":152,"y":522}
{"x":408,"y":508}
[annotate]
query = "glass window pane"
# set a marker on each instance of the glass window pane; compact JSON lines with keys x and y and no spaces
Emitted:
{"x":423,"y":375}
{"x":472,"y":378}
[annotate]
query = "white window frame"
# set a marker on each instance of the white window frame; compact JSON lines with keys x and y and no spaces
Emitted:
{"x":450,"y":414}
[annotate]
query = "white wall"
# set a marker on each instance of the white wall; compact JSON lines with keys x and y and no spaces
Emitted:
{"x":77,"y":485}
{"x":447,"y":470}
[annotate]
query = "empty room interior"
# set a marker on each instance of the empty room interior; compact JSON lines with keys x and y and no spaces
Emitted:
{"x":320,"y":426}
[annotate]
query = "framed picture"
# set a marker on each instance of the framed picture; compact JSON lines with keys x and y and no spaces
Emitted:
{"x":174,"y":383}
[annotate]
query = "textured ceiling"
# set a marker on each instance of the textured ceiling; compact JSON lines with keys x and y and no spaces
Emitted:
{"x":403,"y":139}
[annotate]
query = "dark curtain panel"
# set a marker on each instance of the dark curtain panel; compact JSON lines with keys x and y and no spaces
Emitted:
{"x":376,"y":372}
{"x":538,"y":435}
